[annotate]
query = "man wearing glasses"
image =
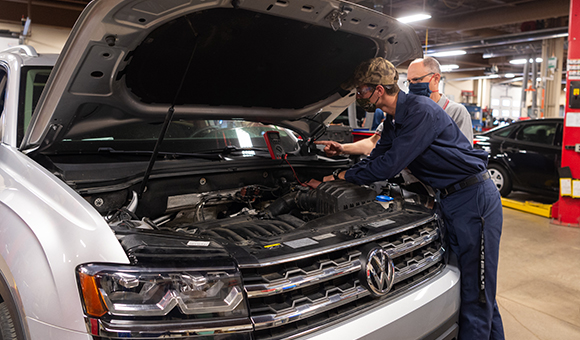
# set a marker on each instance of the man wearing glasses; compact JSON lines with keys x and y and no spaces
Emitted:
{"x":423,"y":76}
{"x":420,"y":136}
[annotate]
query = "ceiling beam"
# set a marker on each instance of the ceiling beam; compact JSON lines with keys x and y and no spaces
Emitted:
{"x":43,"y":13}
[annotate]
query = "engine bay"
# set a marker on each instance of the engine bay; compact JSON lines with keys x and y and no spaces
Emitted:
{"x":269,"y":207}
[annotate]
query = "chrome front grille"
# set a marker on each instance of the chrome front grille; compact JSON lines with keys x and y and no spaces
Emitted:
{"x":289,"y":298}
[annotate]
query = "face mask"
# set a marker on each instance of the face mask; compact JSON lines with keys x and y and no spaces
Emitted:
{"x":420,"y":89}
{"x":366,"y":103}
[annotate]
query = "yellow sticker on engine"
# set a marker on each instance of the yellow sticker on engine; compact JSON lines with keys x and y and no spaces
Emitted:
{"x":272,"y":245}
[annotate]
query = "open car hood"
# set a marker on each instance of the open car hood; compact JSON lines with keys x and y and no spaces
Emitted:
{"x":280,"y":62}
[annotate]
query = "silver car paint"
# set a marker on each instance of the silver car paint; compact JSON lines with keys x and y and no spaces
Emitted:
{"x":10,"y":61}
{"x":51,"y":231}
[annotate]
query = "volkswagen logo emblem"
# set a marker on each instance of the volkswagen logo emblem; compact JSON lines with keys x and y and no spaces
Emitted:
{"x":378,"y":273}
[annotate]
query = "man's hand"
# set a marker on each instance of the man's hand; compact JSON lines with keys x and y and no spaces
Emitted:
{"x":328,"y":178}
{"x":331,"y":177}
{"x":360,"y":147}
{"x":312,"y":183}
{"x":331,"y":148}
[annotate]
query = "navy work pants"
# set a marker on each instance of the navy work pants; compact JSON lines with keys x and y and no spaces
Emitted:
{"x":464,"y":212}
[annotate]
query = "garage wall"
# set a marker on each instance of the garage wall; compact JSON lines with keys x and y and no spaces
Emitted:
{"x":45,"y":39}
{"x":452,"y":88}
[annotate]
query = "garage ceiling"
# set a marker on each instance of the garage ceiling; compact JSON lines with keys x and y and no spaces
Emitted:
{"x":491,"y":31}
{"x":61,"y":13}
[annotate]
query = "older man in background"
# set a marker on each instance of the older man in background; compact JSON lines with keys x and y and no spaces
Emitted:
{"x":423,"y":77}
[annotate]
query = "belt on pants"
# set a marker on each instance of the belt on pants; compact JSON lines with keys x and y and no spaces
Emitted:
{"x":465,"y":183}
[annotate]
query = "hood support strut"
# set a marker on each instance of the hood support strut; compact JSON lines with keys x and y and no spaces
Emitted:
{"x":168,"y":118}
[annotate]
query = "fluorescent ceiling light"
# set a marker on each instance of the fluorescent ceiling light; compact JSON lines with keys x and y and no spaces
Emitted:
{"x":517,"y":61}
{"x":509,"y":75}
{"x":415,"y":17}
{"x":447,"y":68}
{"x":446,"y":53}
{"x":523,"y":61}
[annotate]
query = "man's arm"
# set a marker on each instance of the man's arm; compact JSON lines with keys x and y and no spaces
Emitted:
{"x":416,"y":133}
{"x":361,"y":147}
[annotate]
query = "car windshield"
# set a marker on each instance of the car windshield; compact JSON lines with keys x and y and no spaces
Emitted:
{"x":182,"y":136}
{"x":122,"y":132}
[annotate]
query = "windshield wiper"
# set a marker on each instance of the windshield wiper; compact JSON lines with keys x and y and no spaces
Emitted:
{"x":228,"y":150}
{"x":207,"y":156}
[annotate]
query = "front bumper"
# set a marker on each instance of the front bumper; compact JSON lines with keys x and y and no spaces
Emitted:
{"x":430,"y":312}
{"x":43,"y":331}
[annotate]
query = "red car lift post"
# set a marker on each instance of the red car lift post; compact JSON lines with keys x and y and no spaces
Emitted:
{"x":567,"y":210}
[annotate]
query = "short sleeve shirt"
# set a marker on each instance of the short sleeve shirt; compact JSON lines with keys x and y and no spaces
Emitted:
{"x":459,"y":114}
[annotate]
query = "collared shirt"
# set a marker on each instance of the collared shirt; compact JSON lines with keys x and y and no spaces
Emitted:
{"x":423,"y":138}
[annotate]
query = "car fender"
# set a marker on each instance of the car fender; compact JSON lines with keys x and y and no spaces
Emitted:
{"x":9,"y":295}
{"x":503,"y":159}
{"x":46,"y":231}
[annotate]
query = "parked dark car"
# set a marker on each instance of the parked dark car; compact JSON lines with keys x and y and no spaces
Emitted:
{"x":524,"y":155}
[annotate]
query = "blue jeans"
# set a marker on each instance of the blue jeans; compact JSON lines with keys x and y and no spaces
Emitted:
{"x":464,"y":213}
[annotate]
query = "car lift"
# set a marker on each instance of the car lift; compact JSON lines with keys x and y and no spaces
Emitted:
{"x":531,"y":207}
{"x":566,"y":211}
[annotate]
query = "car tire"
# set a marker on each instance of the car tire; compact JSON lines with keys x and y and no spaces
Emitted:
{"x":7,"y":330}
{"x":500,"y":178}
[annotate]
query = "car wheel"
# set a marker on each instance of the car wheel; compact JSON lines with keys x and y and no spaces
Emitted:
{"x":500,"y":178}
{"x":7,"y":331}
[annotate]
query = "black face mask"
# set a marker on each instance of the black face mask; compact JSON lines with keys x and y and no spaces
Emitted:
{"x":420,"y":89}
{"x":366,"y":103}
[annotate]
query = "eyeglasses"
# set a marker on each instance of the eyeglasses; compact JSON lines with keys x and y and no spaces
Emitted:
{"x":366,"y":89}
{"x":416,"y":80}
{"x":362,"y":91}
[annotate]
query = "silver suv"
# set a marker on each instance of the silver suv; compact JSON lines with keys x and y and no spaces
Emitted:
{"x":156,"y":181}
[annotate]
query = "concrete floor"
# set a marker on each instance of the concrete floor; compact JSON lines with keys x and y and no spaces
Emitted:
{"x":538,"y":278}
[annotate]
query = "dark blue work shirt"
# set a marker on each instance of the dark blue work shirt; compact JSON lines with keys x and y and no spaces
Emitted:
{"x":423,"y":138}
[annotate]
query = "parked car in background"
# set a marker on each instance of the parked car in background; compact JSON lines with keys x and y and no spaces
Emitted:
{"x":524,"y":155}
{"x":152,"y":182}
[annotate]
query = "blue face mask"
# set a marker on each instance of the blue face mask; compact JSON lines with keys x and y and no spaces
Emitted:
{"x":420,"y":89}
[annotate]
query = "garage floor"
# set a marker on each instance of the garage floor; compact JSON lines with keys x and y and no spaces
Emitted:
{"x":539,"y":278}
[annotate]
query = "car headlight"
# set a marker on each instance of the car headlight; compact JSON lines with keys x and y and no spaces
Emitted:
{"x":139,"y":291}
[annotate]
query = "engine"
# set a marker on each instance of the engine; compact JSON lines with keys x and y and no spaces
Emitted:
{"x":247,"y":213}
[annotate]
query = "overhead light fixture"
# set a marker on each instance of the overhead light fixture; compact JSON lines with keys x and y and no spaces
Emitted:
{"x":523,"y":61}
{"x":413,"y":18}
{"x":509,"y":75}
{"x":446,"y":53}
{"x":447,"y":68}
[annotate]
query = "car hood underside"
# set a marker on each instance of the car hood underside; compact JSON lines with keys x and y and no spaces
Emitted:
{"x":257,"y":60}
